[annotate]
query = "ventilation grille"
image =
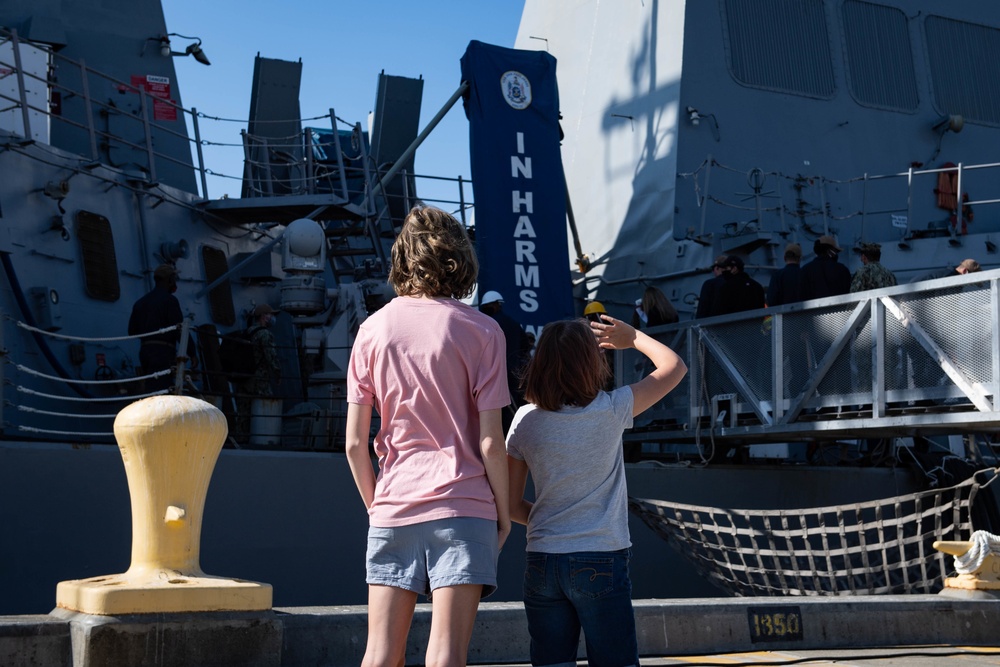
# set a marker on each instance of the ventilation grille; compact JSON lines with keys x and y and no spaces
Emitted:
{"x":780,"y":45}
{"x":220,"y":299}
{"x":97,"y":248}
{"x":965,"y":68}
{"x":879,"y":56}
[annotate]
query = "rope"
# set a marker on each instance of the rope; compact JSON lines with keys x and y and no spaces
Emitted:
{"x":778,"y":174}
{"x":32,"y":429}
{"x":131,"y":397}
{"x":258,"y":140}
{"x":25,"y":408}
{"x":763,"y":209}
{"x":689,"y":174}
{"x":246,"y":122}
{"x":983,"y":545}
{"x":138,"y":378}
{"x":96,"y":340}
{"x":703,"y":383}
{"x":785,"y":209}
{"x":869,"y":548}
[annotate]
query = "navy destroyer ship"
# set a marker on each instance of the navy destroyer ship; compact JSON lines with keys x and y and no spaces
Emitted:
{"x":691,"y":129}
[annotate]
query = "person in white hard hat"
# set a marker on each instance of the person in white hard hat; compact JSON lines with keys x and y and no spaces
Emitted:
{"x":490,"y":297}
{"x":491,"y":304}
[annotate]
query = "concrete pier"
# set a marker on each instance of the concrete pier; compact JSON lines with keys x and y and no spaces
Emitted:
{"x":335,"y":636}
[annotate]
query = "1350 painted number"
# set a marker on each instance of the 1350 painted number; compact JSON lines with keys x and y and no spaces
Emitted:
{"x":774,"y":624}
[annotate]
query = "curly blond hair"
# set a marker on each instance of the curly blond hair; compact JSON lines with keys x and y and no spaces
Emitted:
{"x":433,"y":256}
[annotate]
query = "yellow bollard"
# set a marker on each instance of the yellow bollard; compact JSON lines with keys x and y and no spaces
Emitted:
{"x":982,"y":573}
{"x":170,"y":445}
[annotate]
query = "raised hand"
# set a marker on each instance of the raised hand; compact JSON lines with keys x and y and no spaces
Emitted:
{"x":613,"y":334}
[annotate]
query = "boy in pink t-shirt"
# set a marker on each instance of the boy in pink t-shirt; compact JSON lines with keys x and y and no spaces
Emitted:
{"x":435,"y":370}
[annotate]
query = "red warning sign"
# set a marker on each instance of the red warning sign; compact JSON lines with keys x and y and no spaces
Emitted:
{"x":157,"y":87}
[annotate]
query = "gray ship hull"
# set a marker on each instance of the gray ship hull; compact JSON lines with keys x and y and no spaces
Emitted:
{"x":294,"y":520}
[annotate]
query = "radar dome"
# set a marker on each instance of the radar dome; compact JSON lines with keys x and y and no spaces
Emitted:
{"x":304,"y":237}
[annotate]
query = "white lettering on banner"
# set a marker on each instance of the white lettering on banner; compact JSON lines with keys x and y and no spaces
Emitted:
{"x":524,"y":227}
{"x":529,"y":303}
{"x":526,"y":277}
{"x":520,"y":166}
{"x":525,"y":251}
{"x":526,"y":266}
{"x":519,"y":201}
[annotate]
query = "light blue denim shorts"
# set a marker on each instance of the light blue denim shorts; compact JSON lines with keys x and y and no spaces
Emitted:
{"x":426,"y":556}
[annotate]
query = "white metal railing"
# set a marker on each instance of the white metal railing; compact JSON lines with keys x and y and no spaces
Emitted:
{"x":55,"y":404}
{"x":768,"y":199}
{"x":917,"y":358}
{"x":287,"y":164}
{"x":68,"y":407}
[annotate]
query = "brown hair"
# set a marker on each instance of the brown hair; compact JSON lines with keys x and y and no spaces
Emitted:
{"x":970,"y":265}
{"x":793,"y":251}
{"x":658,"y":308}
{"x":433,"y":256}
{"x":568,"y":367}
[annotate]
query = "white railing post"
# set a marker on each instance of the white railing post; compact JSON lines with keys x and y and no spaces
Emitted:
{"x":182,"y":358}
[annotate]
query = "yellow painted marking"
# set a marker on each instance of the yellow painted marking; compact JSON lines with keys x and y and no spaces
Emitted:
{"x":979,"y":649}
{"x":742,"y":658}
{"x":819,"y":660}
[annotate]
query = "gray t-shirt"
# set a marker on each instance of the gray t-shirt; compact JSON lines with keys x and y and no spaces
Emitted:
{"x":575,"y":459}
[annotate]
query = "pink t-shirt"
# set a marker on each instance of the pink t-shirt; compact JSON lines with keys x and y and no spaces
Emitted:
{"x":429,"y":366}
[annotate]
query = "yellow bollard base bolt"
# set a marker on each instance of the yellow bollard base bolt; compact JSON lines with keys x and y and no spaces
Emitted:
{"x":161,"y":591}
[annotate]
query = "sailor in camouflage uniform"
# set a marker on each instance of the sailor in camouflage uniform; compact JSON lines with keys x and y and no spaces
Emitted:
{"x":266,"y":368}
{"x":871,"y":275}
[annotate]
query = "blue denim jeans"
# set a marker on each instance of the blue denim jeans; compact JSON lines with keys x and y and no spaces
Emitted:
{"x":564,"y":593}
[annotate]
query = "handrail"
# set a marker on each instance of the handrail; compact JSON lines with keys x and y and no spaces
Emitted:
{"x":871,"y":364}
{"x":48,"y":413}
{"x":311,"y":172}
{"x":706,"y":189}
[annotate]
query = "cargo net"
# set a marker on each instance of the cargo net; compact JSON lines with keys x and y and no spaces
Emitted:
{"x":870,"y":548}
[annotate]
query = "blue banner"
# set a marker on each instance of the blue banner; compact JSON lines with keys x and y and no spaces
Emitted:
{"x":518,"y":183}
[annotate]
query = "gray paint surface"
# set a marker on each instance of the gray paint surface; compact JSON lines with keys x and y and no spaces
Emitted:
{"x":295,"y":520}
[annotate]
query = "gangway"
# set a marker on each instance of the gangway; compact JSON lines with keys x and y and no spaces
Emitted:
{"x":915,"y":360}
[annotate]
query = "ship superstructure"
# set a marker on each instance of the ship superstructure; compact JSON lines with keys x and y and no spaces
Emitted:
{"x":695,"y":129}
{"x":735,"y":127}
{"x":106,"y":179}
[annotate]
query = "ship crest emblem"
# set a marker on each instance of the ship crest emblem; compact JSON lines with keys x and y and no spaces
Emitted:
{"x":516,"y":89}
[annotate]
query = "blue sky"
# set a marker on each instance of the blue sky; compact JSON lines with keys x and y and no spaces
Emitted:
{"x":343,"y":46}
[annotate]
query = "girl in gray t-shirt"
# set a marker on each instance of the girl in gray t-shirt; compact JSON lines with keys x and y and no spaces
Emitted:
{"x":569,"y":438}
